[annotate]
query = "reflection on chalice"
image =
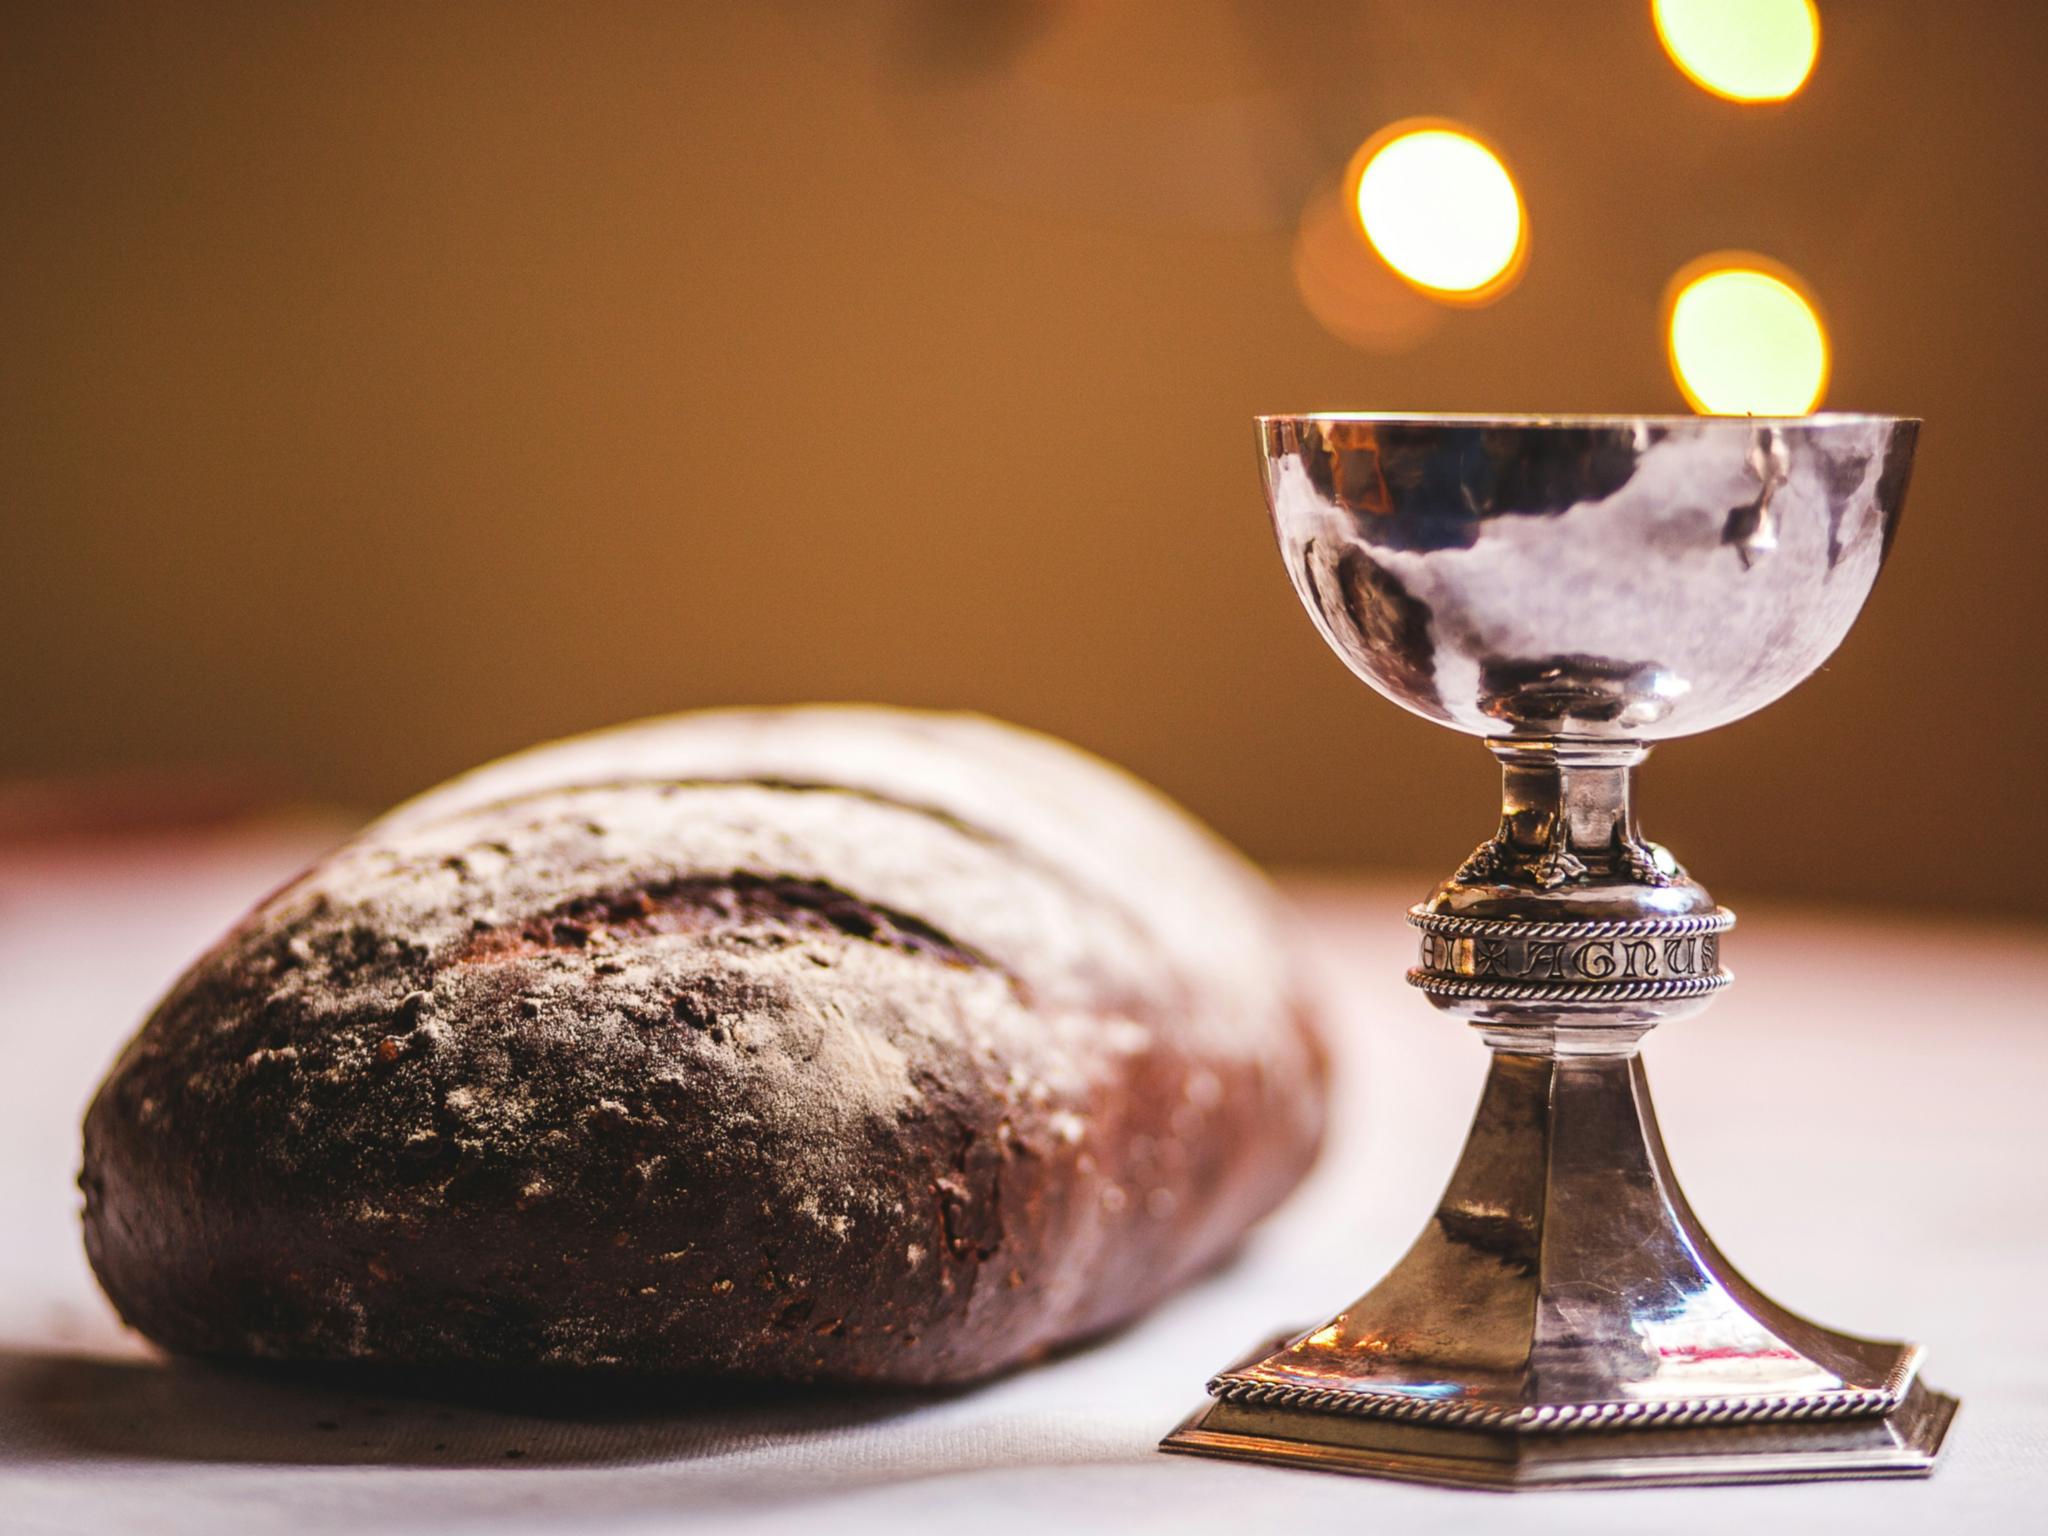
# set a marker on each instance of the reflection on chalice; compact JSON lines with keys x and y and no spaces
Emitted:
{"x":1573,"y":590}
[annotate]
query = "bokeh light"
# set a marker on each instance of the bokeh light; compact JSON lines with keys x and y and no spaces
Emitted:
{"x":1441,"y":210}
{"x":1350,"y":291}
{"x":1745,"y":50}
{"x":1745,"y":340}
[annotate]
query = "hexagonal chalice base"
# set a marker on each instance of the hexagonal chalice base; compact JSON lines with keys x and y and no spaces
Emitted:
{"x":1903,"y":1443}
{"x":1565,"y":1322}
{"x":1573,"y":590}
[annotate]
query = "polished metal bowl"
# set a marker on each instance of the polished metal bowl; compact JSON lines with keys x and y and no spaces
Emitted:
{"x":1585,"y":577}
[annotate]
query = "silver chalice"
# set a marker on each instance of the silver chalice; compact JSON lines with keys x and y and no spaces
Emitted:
{"x":1573,"y":589}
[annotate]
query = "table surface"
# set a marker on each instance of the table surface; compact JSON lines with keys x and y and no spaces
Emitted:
{"x":1859,"y":1122}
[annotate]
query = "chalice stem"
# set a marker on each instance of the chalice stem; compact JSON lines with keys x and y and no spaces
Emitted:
{"x":1564,"y":1284}
{"x":1564,"y":1278}
{"x":1567,"y":812}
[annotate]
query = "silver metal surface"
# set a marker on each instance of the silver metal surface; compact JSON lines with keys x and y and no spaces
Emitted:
{"x":1573,"y":590}
{"x":1588,"y":578}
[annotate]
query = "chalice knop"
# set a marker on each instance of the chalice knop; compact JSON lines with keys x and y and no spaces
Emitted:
{"x":1573,"y":590}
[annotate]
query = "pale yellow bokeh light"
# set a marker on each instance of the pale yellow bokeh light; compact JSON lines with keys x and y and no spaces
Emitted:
{"x":1745,"y":50}
{"x":1442,"y":211}
{"x":1747,"y":343}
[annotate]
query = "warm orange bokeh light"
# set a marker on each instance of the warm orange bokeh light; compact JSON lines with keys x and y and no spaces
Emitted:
{"x":1349,"y":289}
{"x":1440,"y":209}
{"x":1744,"y":50}
{"x":1745,"y":340}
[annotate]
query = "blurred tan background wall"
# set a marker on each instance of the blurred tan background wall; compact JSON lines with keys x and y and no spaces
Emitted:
{"x":386,"y":386}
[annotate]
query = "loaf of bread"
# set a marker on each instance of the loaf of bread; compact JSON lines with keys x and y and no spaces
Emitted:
{"x":815,"y":1044}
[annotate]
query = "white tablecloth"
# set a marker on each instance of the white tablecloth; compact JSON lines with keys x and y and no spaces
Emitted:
{"x":1860,"y":1122}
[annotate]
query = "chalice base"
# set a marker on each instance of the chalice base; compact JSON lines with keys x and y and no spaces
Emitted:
{"x":1903,"y":1443}
{"x":1565,"y":1322}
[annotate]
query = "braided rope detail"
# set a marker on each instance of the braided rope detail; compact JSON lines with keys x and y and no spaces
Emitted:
{"x":1865,"y":1402}
{"x":1450,"y":926}
{"x":1566,"y":992}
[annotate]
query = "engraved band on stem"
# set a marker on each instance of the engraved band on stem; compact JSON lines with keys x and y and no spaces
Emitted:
{"x":1614,"y":960}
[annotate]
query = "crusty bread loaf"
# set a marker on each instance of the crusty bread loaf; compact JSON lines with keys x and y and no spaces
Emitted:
{"x":840,"y":1044}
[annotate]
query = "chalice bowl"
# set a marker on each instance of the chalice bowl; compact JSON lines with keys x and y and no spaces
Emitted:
{"x":1573,"y":590}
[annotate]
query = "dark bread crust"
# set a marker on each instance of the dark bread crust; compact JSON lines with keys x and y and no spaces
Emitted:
{"x":815,"y":1044}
